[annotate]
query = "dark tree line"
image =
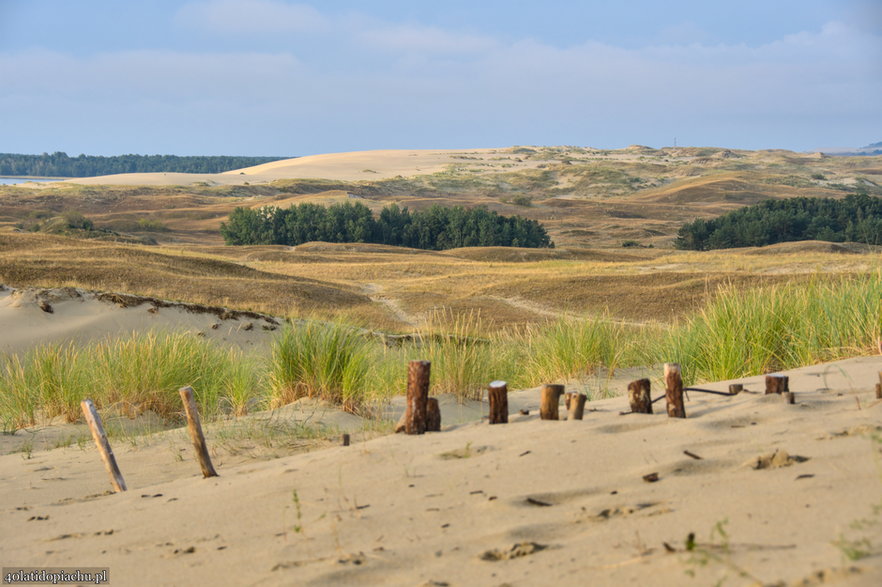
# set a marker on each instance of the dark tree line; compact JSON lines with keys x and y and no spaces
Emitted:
{"x":61,"y":165}
{"x":436,"y":228}
{"x":856,"y":218}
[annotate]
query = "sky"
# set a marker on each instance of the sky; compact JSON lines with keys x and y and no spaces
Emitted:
{"x":289,"y":78}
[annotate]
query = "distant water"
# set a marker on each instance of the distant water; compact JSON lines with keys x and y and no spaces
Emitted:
{"x":13,"y":180}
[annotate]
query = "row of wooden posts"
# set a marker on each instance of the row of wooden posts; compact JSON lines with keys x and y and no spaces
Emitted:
{"x":422,"y":413}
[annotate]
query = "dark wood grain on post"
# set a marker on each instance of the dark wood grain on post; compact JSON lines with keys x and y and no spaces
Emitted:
{"x":433,"y":415}
{"x":548,"y":409}
{"x":674,"y":391}
{"x":497,"y":396}
{"x":575,"y":405}
{"x":639,"y":396}
{"x":100,"y":438}
{"x":735,"y":388}
{"x":196,"y":436}
{"x":418,"y":373}
{"x":776,"y":384}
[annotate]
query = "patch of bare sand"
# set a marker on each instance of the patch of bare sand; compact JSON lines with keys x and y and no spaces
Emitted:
{"x":531,"y":502}
{"x":34,"y":316}
{"x":354,"y":166}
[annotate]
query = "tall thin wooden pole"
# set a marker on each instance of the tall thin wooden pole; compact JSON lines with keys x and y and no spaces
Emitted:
{"x":97,"y":430}
{"x":638,"y":396}
{"x":548,"y":409}
{"x":418,"y":373}
{"x":674,"y":391}
{"x":196,"y":435}
{"x":497,"y":396}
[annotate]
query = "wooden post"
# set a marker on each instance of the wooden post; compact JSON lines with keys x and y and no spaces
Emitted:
{"x":735,"y":388}
{"x":345,"y":439}
{"x":433,"y":415}
{"x":639,"y":396}
{"x":575,"y":405}
{"x":196,"y":436}
{"x":776,"y":384}
{"x":548,"y":409}
{"x":497,"y":395}
{"x":789,"y":397}
{"x":97,"y":430}
{"x":674,"y":391}
{"x":418,"y":373}
{"x":879,"y":391}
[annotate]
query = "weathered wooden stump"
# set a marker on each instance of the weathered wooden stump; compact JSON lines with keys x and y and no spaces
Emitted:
{"x":777,"y":384}
{"x":575,"y":405}
{"x":497,"y":395}
{"x":345,"y":440}
{"x":639,"y":396}
{"x":735,"y":388}
{"x":100,"y":438}
{"x":195,"y":427}
{"x":674,"y":391}
{"x":418,"y":373}
{"x":548,"y":409}
{"x":433,"y":415}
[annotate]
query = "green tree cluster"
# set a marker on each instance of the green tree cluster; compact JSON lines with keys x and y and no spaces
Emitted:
{"x":436,"y":228}
{"x":59,"y":164}
{"x":856,"y":218}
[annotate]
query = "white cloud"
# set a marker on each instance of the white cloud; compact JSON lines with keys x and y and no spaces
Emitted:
{"x":250,"y":16}
{"x":411,"y":38}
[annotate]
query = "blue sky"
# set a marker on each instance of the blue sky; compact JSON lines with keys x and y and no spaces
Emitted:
{"x":277,"y":77}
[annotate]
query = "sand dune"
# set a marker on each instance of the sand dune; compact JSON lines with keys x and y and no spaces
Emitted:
{"x":33,"y":317}
{"x":528,"y":503}
{"x":354,"y":166}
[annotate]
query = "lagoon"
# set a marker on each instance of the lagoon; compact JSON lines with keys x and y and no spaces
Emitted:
{"x":15,"y":180}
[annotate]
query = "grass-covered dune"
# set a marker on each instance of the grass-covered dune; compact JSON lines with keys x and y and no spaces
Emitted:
{"x":739,"y":332}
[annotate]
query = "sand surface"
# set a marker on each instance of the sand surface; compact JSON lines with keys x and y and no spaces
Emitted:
{"x":528,"y":503}
{"x":33,"y":316}
{"x":354,"y":166}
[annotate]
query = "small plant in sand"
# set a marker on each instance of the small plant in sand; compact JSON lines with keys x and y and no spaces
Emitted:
{"x":717,"y":551}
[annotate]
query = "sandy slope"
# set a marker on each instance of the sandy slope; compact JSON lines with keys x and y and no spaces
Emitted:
{"x":32,"y":317}
{"x":528,"y":503}
{"x":369,"y":165}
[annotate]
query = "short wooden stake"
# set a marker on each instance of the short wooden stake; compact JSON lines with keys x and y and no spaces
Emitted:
{"x":575,"y":405}
{"x":97,"y":430}
{"x":196,"y":436}
{"x":735,"y":388}
{"x":789,"y":397}
{"x":418,"y":373}
{"x":433,"y":415}
{"x":497,"y":396}
{"x":345,"y":440}
{"x":879,"y":391}
{"x":638,"y":396}
{"x":548,"y":409}
{"x":776,"y":384}
{"x":674,"y":391}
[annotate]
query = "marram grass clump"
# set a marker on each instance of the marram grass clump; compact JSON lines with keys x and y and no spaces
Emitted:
{"x":749,"y":332}
{"x":132,"y":375}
